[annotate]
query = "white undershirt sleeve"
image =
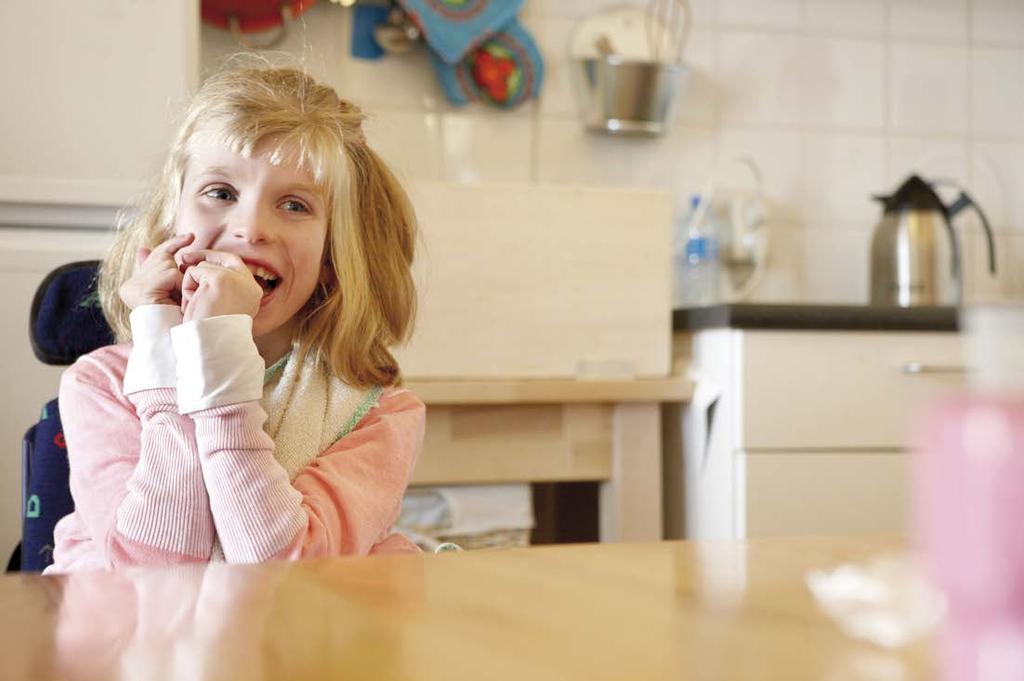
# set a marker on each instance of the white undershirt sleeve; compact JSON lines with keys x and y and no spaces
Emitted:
{"x":151,"y":363}
{"x":217,"y":362}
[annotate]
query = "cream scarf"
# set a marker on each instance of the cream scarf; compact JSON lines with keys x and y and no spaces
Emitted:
{"x":307,"y":412}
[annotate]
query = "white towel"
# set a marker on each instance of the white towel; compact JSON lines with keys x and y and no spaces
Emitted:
{"x":308,"y":411}
{"x":468,"y":509}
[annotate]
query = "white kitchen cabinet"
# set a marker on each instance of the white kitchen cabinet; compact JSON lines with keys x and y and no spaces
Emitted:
{"x":92,"y":91}
{"x":824,"y":493}
{"x":839,"y":389}
{"x":804,"y":432}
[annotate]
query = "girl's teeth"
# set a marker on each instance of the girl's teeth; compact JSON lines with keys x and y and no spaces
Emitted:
{"x":263,"y":273}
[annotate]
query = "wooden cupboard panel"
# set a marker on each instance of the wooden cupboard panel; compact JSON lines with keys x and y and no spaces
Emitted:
{"x":520,"y":281}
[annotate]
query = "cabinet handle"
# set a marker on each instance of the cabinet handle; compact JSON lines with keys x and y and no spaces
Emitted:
{"x":913,"y":368}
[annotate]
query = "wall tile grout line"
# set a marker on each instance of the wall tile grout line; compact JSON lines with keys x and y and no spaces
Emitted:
{"x":887,"y":166}
{"x":535,"y":141}
{"x":969,"y":98}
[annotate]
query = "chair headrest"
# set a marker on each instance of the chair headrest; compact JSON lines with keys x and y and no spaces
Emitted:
{"x":66,"y":319}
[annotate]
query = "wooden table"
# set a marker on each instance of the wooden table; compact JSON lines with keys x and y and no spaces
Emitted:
{"x":612,"y":611}
{"x":607,"y":431}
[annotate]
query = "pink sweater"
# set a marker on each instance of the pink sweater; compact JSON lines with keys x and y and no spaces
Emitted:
{"x":151,"y":484}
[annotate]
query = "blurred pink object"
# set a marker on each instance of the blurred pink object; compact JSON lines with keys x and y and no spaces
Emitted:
{"x":969,"y":503}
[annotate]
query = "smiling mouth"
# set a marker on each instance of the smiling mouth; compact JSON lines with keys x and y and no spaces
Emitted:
{"x":267,"y":280}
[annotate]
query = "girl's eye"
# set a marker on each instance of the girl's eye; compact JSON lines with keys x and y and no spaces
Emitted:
{"x":220,"y":193}
{"x":294,"y":206}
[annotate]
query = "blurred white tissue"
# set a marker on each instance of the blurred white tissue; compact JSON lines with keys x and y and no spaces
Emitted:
{"x":885,"y":601}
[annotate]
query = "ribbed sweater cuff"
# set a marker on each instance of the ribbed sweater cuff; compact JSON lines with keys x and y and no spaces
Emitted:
{"x":167,"y":506}
{"x":256,"y":509}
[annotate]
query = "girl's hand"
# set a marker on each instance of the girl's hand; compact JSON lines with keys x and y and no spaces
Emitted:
{"x":217,"y":283}
{"x":157,"y":279}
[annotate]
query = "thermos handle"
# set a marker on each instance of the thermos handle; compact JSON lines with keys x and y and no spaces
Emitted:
{"x":965,"y":200}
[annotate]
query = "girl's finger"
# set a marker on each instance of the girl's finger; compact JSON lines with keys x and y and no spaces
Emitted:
{"x":203,"y":270}
{"x":141,"y":255}
{"x":228,"y":260}
{"x":175,"y":281}
{"x":174,"y":243}
{"x":190,"y":281}
{"x":166,"y":280}
{"x":210,"y":274}
{"x":187,"y":258}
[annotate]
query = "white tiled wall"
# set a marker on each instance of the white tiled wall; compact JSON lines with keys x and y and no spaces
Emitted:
{"x":835,"y":99}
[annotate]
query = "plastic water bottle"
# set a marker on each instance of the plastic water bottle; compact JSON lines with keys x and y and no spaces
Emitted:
{"x":696,"y":265}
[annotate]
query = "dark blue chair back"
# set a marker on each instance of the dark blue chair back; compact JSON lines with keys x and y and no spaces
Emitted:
{"x":66,"y":322}
{"x":46,"y":496}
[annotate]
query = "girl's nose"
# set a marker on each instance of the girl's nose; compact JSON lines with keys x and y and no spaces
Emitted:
{"x":252,"y":225}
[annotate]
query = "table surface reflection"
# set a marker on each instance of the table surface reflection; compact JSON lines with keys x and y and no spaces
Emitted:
{"x":730,"y":610}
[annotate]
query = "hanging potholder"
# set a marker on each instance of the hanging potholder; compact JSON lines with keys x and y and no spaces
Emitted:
{"x":505,"y":70}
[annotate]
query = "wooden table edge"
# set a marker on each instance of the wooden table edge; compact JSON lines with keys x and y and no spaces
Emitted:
{"x":551,"y":391}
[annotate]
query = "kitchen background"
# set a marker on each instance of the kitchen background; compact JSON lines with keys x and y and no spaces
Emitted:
{"x":836,"y":100}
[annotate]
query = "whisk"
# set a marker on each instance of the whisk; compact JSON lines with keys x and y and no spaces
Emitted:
{"x":668,"y":28}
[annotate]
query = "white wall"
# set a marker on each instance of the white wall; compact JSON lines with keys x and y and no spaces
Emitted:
{"x":836,"y":99}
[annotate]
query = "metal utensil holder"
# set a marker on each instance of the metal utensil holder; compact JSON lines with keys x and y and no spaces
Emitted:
{"x":627,"y":97}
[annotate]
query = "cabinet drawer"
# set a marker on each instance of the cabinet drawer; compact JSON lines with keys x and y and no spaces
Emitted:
{"x":826,"y":493}
{"x":842,"y":390}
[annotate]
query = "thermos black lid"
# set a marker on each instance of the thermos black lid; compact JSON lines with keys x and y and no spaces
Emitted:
{"x":915,"y":194}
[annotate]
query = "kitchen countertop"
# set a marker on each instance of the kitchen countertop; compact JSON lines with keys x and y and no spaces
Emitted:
{"x":817,"y":317}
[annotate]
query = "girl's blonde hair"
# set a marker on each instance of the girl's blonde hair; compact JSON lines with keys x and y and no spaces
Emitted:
{"x":366,"y":300}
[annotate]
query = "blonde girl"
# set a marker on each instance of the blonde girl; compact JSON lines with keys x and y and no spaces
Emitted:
{"x":253,"y":407}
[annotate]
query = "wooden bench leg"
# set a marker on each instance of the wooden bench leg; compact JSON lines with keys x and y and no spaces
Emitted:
{"x":631,"y":500}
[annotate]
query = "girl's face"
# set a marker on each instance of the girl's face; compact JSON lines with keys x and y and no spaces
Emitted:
{"x":272,"y":216}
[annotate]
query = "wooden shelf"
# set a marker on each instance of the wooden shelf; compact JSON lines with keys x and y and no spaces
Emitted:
{"x":551,"y":391}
